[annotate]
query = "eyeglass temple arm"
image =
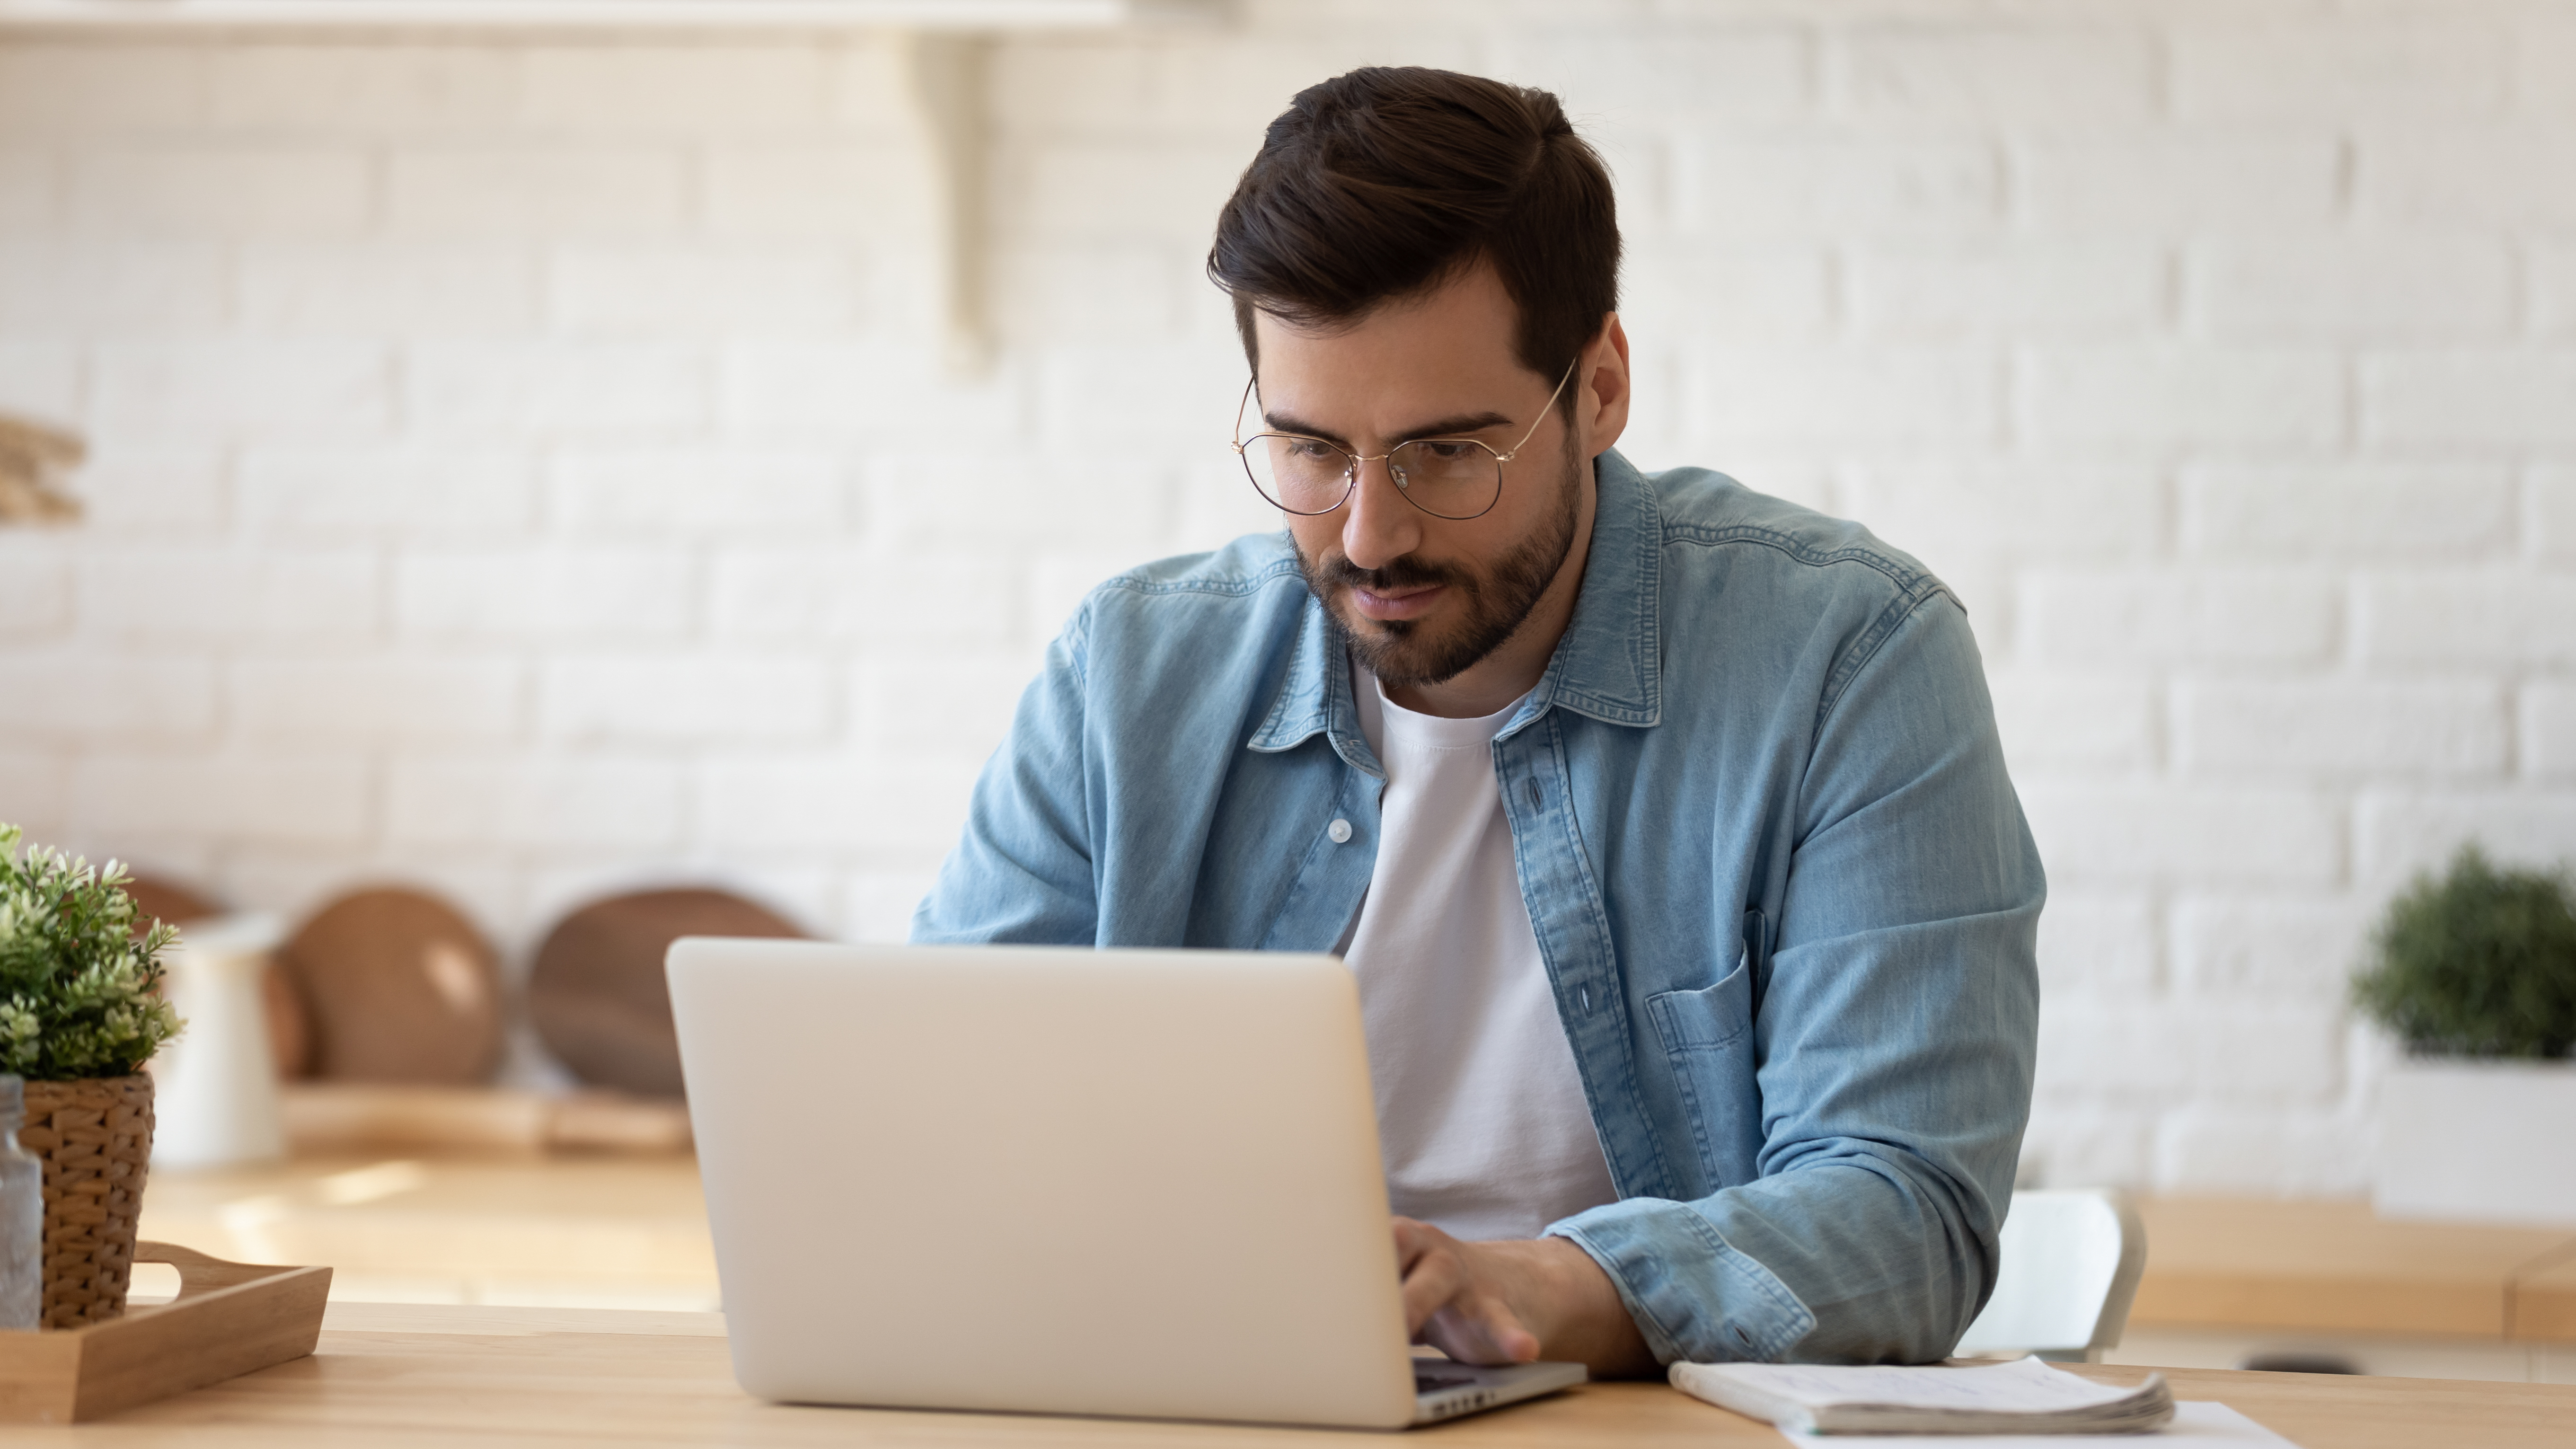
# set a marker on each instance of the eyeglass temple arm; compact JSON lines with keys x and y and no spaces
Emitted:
{"x":1249,"y":384}
{"x":1534,"y":422}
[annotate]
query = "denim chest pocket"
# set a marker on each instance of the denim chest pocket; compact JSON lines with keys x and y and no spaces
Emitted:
{"x":1711,"y":1019}
{"x":1708,"y":1045}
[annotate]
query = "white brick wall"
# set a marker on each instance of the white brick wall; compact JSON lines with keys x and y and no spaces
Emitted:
{"x":354,"y":698}
{"x":2273,"y":728}
{"x":2400,"y":513}
{"x":524,"y":465}
{"x":289,"y":797}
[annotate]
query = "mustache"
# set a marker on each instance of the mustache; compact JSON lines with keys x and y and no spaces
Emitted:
{"x":1336,"y":570}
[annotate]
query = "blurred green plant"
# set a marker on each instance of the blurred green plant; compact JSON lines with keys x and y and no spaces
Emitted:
{"x":2480,"y":963}
{"x":78,"y":989}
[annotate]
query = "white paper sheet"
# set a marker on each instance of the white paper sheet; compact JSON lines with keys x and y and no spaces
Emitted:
{"x":2194,"y":1422}
{"x":2026,"y":1385}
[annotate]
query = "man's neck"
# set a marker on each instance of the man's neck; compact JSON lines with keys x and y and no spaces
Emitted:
{"x":1515,"y":665}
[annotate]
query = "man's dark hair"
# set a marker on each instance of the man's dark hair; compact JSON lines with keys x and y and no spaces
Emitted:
{"x":1389,"y":181}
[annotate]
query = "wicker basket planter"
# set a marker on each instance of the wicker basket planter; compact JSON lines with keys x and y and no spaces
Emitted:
{"x":95,"y":1136}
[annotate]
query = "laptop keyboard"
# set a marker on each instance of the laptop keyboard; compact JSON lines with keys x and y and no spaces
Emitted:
{"x":1432,"y":1378}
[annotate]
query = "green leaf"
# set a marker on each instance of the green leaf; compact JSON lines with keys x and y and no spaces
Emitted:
{"x":79,"y":993}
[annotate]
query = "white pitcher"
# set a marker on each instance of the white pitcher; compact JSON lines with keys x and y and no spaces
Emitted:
{"x":215,"y":1088}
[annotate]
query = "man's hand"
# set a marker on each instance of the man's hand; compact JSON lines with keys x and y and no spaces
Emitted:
{"x":1512,"y":1302}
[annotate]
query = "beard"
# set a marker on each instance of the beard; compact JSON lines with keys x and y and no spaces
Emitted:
{"x":1404,"y":654}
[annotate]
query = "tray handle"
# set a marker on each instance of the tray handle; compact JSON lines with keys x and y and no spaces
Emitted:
{"x":201,"y":1273}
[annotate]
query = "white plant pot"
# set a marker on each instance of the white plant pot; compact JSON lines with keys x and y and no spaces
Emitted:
{"x":2478,"y":1141}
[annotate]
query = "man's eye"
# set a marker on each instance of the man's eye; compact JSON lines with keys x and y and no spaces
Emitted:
{"x":1448,"y":452}
{"x":1307,"y":450}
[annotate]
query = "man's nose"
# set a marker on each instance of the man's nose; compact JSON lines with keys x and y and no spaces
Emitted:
{"x":1378,"y":525}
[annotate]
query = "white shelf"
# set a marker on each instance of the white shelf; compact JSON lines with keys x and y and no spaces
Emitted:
{"x":912,"y":15}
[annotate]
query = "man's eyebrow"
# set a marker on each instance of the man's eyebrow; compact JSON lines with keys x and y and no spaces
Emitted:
{"x":1437,"y":428}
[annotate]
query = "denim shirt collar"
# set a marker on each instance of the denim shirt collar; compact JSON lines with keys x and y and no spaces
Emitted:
{"x":1607,"y":667}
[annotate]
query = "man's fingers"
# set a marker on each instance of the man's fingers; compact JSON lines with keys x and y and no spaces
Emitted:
{"x":1480,"y":1328}
{"x":1432,"y":1269}
{"x":1413,"y":1238}
{"x":1434,"y":1278}
{"x":1448,"y":1306}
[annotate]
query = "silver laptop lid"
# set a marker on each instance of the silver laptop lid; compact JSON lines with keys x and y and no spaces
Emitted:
{"x":1067,"y":1181}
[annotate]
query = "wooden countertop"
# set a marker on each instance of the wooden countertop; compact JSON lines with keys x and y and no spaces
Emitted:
{"x":631,"y":1232}
{"x":524,"y":1228}
{"x":2335,"y":1266}
{"x":2544,"y":1300}
{"x":395,"y":1377}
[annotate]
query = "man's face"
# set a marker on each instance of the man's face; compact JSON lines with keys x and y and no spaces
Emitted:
{"x":1421,"y":599}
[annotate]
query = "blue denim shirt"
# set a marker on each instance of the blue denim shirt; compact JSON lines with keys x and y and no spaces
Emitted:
{"x":1782,"y":886}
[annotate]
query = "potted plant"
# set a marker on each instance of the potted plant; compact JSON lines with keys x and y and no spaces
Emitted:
{"x":2475,"y":974}
{"x":80,"y":1013}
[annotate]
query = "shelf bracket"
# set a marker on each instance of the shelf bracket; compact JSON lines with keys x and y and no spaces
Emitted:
{"x":944,"y":76}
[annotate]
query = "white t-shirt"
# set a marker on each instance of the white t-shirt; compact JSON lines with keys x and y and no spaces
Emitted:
{"x":1480,"y":1113}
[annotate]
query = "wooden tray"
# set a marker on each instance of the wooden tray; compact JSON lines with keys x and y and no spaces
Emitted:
{"x":228,"y":1319}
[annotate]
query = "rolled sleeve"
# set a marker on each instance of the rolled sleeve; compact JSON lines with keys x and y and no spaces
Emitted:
{"x":1686,"y":1286}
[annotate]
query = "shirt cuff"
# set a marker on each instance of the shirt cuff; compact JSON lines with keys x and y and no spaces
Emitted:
{"x":1693,"y":1295}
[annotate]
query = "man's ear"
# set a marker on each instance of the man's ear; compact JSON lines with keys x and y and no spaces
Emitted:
{"x":1603,"y":389}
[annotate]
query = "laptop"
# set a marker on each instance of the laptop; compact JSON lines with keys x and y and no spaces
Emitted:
{"x":1135,"y":1183}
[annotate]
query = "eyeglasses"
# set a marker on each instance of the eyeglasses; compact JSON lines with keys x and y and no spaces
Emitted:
{"x":1455,"y":478}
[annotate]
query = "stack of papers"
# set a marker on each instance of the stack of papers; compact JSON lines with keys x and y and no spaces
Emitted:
{"x":2022,"y":1397}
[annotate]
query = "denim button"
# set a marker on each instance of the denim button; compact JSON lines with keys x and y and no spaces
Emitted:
{"x":1340,"y":830}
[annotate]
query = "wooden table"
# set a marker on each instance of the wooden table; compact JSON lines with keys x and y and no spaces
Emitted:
{"x":408,"y":1375}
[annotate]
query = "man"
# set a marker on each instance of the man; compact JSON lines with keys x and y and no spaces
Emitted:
{"x":1663,"y":824}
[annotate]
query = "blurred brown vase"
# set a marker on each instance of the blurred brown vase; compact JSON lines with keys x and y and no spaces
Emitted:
{"x":401,"y":988}
{"x":597,"y":994}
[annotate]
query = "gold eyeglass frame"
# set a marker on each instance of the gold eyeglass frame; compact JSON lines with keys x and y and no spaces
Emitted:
{"x":1351,"y":474}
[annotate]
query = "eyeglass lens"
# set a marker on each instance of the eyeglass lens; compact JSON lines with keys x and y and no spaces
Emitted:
{"x":1305,"y":475}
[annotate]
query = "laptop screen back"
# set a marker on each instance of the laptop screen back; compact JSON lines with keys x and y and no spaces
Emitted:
{"x":1069,"y":1181}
